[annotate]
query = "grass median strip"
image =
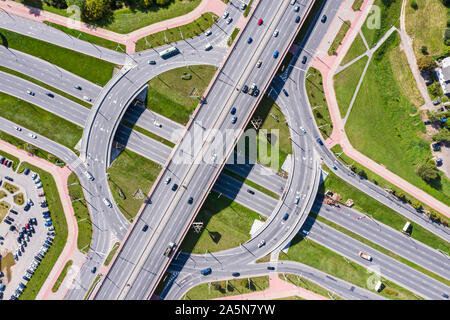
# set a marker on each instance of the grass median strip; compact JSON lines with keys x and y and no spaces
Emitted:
{"x":190,"y":30}
{"x":88,"y":37}
{"x":59,"y":223}
{"x":251,"y":184}
{"x":233,"y":36}
{"x":111,"y":254}
{"x":226,"y":224}
{"x":248,"y":8}
{"x":308,"y":285}
{"x":380,"y":249}
{"x":339,"y":37}
{"x":149,"y":134}
{"x":62,"y":276}
{"x":80,"y":208}
{"x":380,"y":212}
{"x":90,"y":68}
{"x":319,"y":257}
{"x":46,"y":86}
{"x":40,"y":121}
{"x":219,"y":289}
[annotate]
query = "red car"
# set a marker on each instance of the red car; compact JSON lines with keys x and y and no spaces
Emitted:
{"x":259,"y":22}
{"x":27,"y":226}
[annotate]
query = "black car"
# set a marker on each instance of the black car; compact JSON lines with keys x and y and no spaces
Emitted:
{"x":190,"y":200}
{"x":8,"y":222}
{"x":26,"y":171}
{"x":245,"y":88}
{"x":324,"y":19}
{"x":320,"y":141}
{"x":174,"y":187}
{"x":235,"y":274}
{"x":27,"y":207}
{"x":250,"y":191}
{"x":9,"y":178}
{"x":93,"y":269}
{"x":304,"y":59}
{"x":152,"y":62}
{"x":26,"y":278}
{"x":270,"y":268}
{"x":145,"y":228}
{"x":12,"y":228}
{"x":255,"y":92}
{"x":297,"y":19}
{"x":14,"y":211}
{"x":50,"y":95}
{"x":10,"y":219}
{"x":37,"y":258}
{"x":19,"y":240}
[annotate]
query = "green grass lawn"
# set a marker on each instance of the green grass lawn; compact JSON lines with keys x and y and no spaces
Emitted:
{"x":169,"y":95}
{"x":226,"y":224}
{"x":345,"y":83}
{"x":357,"y":5}
{"x":40,"y":121}
{"x":380,"y":248}
{"x":81,"y":213}
{"x":317,"y":256}
{"x":30,"y":148}
{"x":308,"y":285}
{"x":339,"y":37}
{"x":248,"y":8}
{"x":220,"y":289}
{"x":380,"y":212}
{"x":46,"y":86}
{"x":90,"y":68}
{"x":88,"y":37}
{"x":233,"y":36}
{"x":385,"y":126}
{"x":272,"y":119}
{"x":111,"y":254}
{"x":190,"y":30}
{"x":60,"y":225}
{"x":356,"y":49}
{"x":426,"y":25}
{"x":128,"y":173}
{"x":61,"y":276}
{"x":389,"y":16}
{"x":15,"y":160}
{"x":317,"y":100}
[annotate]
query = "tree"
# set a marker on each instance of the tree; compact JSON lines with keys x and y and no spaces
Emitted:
{"x":414,"y":4}
{"x":426,"y":63}
{"x":442,"y":136}
{"x":401,"y":196}
{"x":447,"y":37}
{"x":96,"y":9}
{"x":424,"y":50}
{"x":427,"y":171}
{"x":433,"y":116}
{"x":416,"y":205}
{"x":60,"y":4}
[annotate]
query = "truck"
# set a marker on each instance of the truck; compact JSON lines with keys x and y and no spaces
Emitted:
{"x":365,"y":256}
{"x":252,"y":89}
{"x":406,"y":227}
{"x":169,"y":249}
{"x":378,"y":286}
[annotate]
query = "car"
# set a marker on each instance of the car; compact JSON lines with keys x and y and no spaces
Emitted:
{"x":365,"y":256}
{"x":27,"y":207}
{"x":233,"y":110}
{"x":260,"y":21}
{"x":30,"y":202}
{"x":244,"y":88}
{"x":44,"y":204}
{"x":48,"y":219}
{"x":77,"y":87}
{"x":17,"y":128}
{"x":436,"y":102}
{"x":107,"y":202}
{"x":286,"y":216}
{"x":229,"y":20}
{"x":51,"y":229}
{"x":41,"y":194}
{"x":93,"y":269}
{"x":444,"y":295}
{"x":319,"y":141}
{"x":213,"y":157}
{"x":86,"y":98}
{"x":174,"y":187}
{"x":191,"y":200}
{"x":250,"y":191}
{"x":285,"y":93}
{"x":249,"y":40}
{"x":34,"y":221}
{"x":48,"y":224}
{"x":37,"y":181}
{"x":225,"y":14}
{"x":304,"y":59}
{"x":439,"y":162}
{"x":10,"y":219}
{"x":31,"y":93}
{"x":275,"y":33}
{"x":46,"y":245}
{"x":32,"y":135}
{"x":258,"y":64}
{"x":26,"y":171}
{"x":235,"y":274}
{"x":26,"y":278}
{"x":297,"y":199}
{"x":39,"y":186}
{"x":436,"y":146}
{"x":297,"y":19}
{"x":208,"y":32}
{"x":8,"y":222}
{"x":33,"y":175}
{"x":296,"y":8}
{"x":151,"y":62}
{"x":37,"y":258}
{"x":208,"y":47}
{"x":324,"y":19}
{"x":427,"y":122}
{"x":303,"y":129}
{"x":45,"y":216}
{"x":49,"y":94}
{"x":206,"y":271}
{"x":144,"y":228}
{"x":168,"y":180}
{"x":243,"y":6}
{"x":12,"y":228}
{"x":275,"y":54}
{"x":261,"y":243}
{"x":88,"y":175}
{"x":233,"y":121}
{"x":27,"y":226}
{"x":9,"y":164}
{"x":9,"y":178}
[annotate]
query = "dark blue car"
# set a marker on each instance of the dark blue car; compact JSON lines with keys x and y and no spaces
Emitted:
{"x":206,"y":271}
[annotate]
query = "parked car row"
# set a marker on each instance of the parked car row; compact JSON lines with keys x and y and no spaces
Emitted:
{"x":5,"y":162}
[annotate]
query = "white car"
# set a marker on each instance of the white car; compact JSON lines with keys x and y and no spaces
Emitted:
{"x":33,"y":175}
{"x":297,"y":199}
{"x":208,"y":32}
{"x":39,"y":186}
{"x":213,"y":157}
{"x":107,"y":202}
{"x":208,"y":46}
{"x":168,"y":180}
{"x":303,"y":129}
{"x":229,"y":20}
{"x":275,"y":33}
{"x":18,"y":128}
{"x":225,"y":14}
{"x":157,"y":124}
{"x":263,"y":242}
{"x":31,"y":135}
{"x":87,"y":98}
{"x":88,"y":175}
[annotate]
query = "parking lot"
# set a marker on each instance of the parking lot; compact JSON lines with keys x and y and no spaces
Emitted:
{"x":24,"y":229}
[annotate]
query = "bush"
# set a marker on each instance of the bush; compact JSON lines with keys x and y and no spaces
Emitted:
{"x":427,"y":171}
{"x":414,"y":4}
{"x":447,"y":37}
{"x":416,"y":205}
{"x":426,"y":63}
{"x":424,"y":50}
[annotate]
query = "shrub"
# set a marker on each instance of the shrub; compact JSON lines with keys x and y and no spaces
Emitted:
{"x":414,"y":4}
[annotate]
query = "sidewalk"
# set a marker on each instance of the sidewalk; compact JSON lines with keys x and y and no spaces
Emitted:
{"x":277,"y":289}
{"x":129,"y":39}
{"x":70,"y":251}
{"x":327,"y":66}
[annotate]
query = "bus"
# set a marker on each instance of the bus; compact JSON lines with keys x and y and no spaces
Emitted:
{"x":168,"y":52}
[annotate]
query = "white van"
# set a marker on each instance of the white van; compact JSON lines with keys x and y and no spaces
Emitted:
{"x":406,"y":226}
{"x":88,"y":175}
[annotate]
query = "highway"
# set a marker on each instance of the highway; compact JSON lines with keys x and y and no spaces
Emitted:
{"x":127,"y":256}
